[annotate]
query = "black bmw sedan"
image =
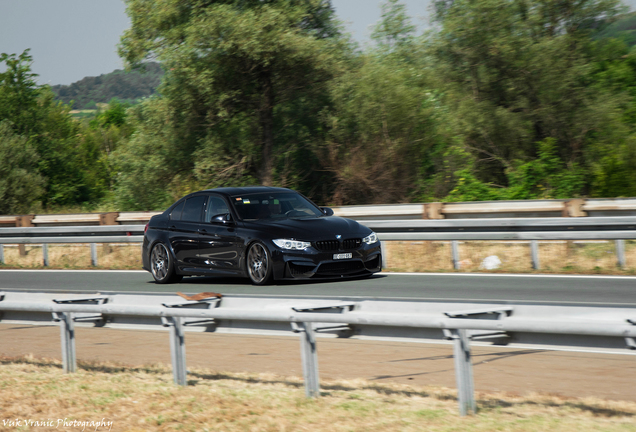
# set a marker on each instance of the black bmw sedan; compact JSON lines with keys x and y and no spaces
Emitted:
{"x":263,"y":233}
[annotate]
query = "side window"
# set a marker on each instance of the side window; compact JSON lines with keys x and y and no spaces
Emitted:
{"x":176,"y":212}
{"x":193,"y":209}
{"x":216,"y":206}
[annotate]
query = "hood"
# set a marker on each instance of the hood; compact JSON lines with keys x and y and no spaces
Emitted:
{"x":312,"y":229}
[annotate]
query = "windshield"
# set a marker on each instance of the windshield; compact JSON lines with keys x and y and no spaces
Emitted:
{"x":271,"y":206}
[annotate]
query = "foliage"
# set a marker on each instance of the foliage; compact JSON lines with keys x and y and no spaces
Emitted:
{"x":515,"y":74}
{"x":498,"y":100}
{"x":125,"y":86}
{"x":624,"y":28}
{"x":545,"y":177}
{"x":380,"y":122}
{"x":100,"y":138}
{"x":394,"y":31}
{"x":142,"y":171}
{"x":114,"y":115}
{"x":19,"y":93}
{"x":235,"y":64}
{"x":20,"y":182}
{"x":68,"y":168}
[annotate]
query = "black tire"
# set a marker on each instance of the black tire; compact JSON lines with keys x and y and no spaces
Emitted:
{"x":259,"y":264}
{"x":162,"y":265}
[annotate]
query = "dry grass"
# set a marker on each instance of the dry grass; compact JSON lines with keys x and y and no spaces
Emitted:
{"x":554,"y":257}
{"x":413,"y":256}
{"x":76,"y":256}
{"x":145,"y":399}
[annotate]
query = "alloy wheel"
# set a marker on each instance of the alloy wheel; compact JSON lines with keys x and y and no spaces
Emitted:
{"x":258,"y":263}
{"x":159,"y":262}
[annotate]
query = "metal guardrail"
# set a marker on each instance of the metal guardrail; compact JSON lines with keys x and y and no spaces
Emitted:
{"x":622,"y":227}
{"x":577,"y":207}
{"x":70,"y":235}
{"x":73,"y":234}
{"x":533,"y":230}
{"x":460,"y":322}
{"x":454,"y":229}
{"x":77,"y":219}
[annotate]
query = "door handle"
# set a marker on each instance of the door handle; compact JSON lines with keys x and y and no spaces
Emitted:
{"x":205,"y":232}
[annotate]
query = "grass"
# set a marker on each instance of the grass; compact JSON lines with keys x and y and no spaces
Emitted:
{"x":120,"y":256}
{"x":145,"y":399}
{"x":590,"y":257}
{"x":598,"y":257}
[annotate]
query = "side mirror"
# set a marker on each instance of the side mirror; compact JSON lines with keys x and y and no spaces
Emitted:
{"x":225,"y":219}
{"x":327,"y":211}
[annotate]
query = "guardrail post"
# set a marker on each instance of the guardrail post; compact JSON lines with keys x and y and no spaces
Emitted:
{"x":534,"y":253}
{"x":177,"y":351}
{"x":108,"y":218}
{"x":620,"y":253}
{"x":93,"y":254}
{"x":67,"y":333}
{"x":309,"y":357}
{"x":23,"y":222}
{"x":574,"y":208}
{"x":45,"y":255}
{"x":455,"y":254}
{"x":1,"y":254}
{"x":463,"y":372}
{"x":433,"y":211}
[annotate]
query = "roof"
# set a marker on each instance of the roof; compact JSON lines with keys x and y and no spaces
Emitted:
{"x":234,"y":191}
{"x":231,"y":191}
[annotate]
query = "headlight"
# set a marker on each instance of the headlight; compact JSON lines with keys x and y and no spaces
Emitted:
{"x":370,"y":239}
{"x":291,"y":244}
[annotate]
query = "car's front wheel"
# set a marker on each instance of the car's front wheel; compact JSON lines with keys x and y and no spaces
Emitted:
{"x":162,"y":265}
{"x":259,"y":264}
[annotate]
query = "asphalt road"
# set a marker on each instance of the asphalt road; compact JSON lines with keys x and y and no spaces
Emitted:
{"x":606,"y":290}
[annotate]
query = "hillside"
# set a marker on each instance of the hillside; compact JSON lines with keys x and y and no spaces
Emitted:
{"x":125,"y":86}
{"x":624,"y":28}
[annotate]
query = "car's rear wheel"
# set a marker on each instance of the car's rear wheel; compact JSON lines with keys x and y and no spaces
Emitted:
{"x":162,"y":265}
{"x":259,"y":264}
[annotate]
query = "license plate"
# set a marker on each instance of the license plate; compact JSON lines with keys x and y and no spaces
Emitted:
{"x":342,"y":256}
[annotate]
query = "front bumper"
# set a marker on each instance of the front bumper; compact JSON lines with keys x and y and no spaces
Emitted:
{"x":314,"y":264}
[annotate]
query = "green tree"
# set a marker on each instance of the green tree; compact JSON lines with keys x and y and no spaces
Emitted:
{"x":19,"y":93}
{"x":149,"y":161}
{"x":244,"y":80}
{"x":33,"y":115}
{"x":377,"y":128}
{"x":612,"y":161}
{"x":545,"y":177}
{"x":394,"y":30}
{"x":382,"y":121}
{"x":114,"y":115}
{"x":516,"y":73}
{"x":20,"y":182}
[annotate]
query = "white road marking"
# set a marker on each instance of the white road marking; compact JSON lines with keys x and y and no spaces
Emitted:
{"x":503,"y":275}
{"x":72,"y":271}
{"x":512,"y":275}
